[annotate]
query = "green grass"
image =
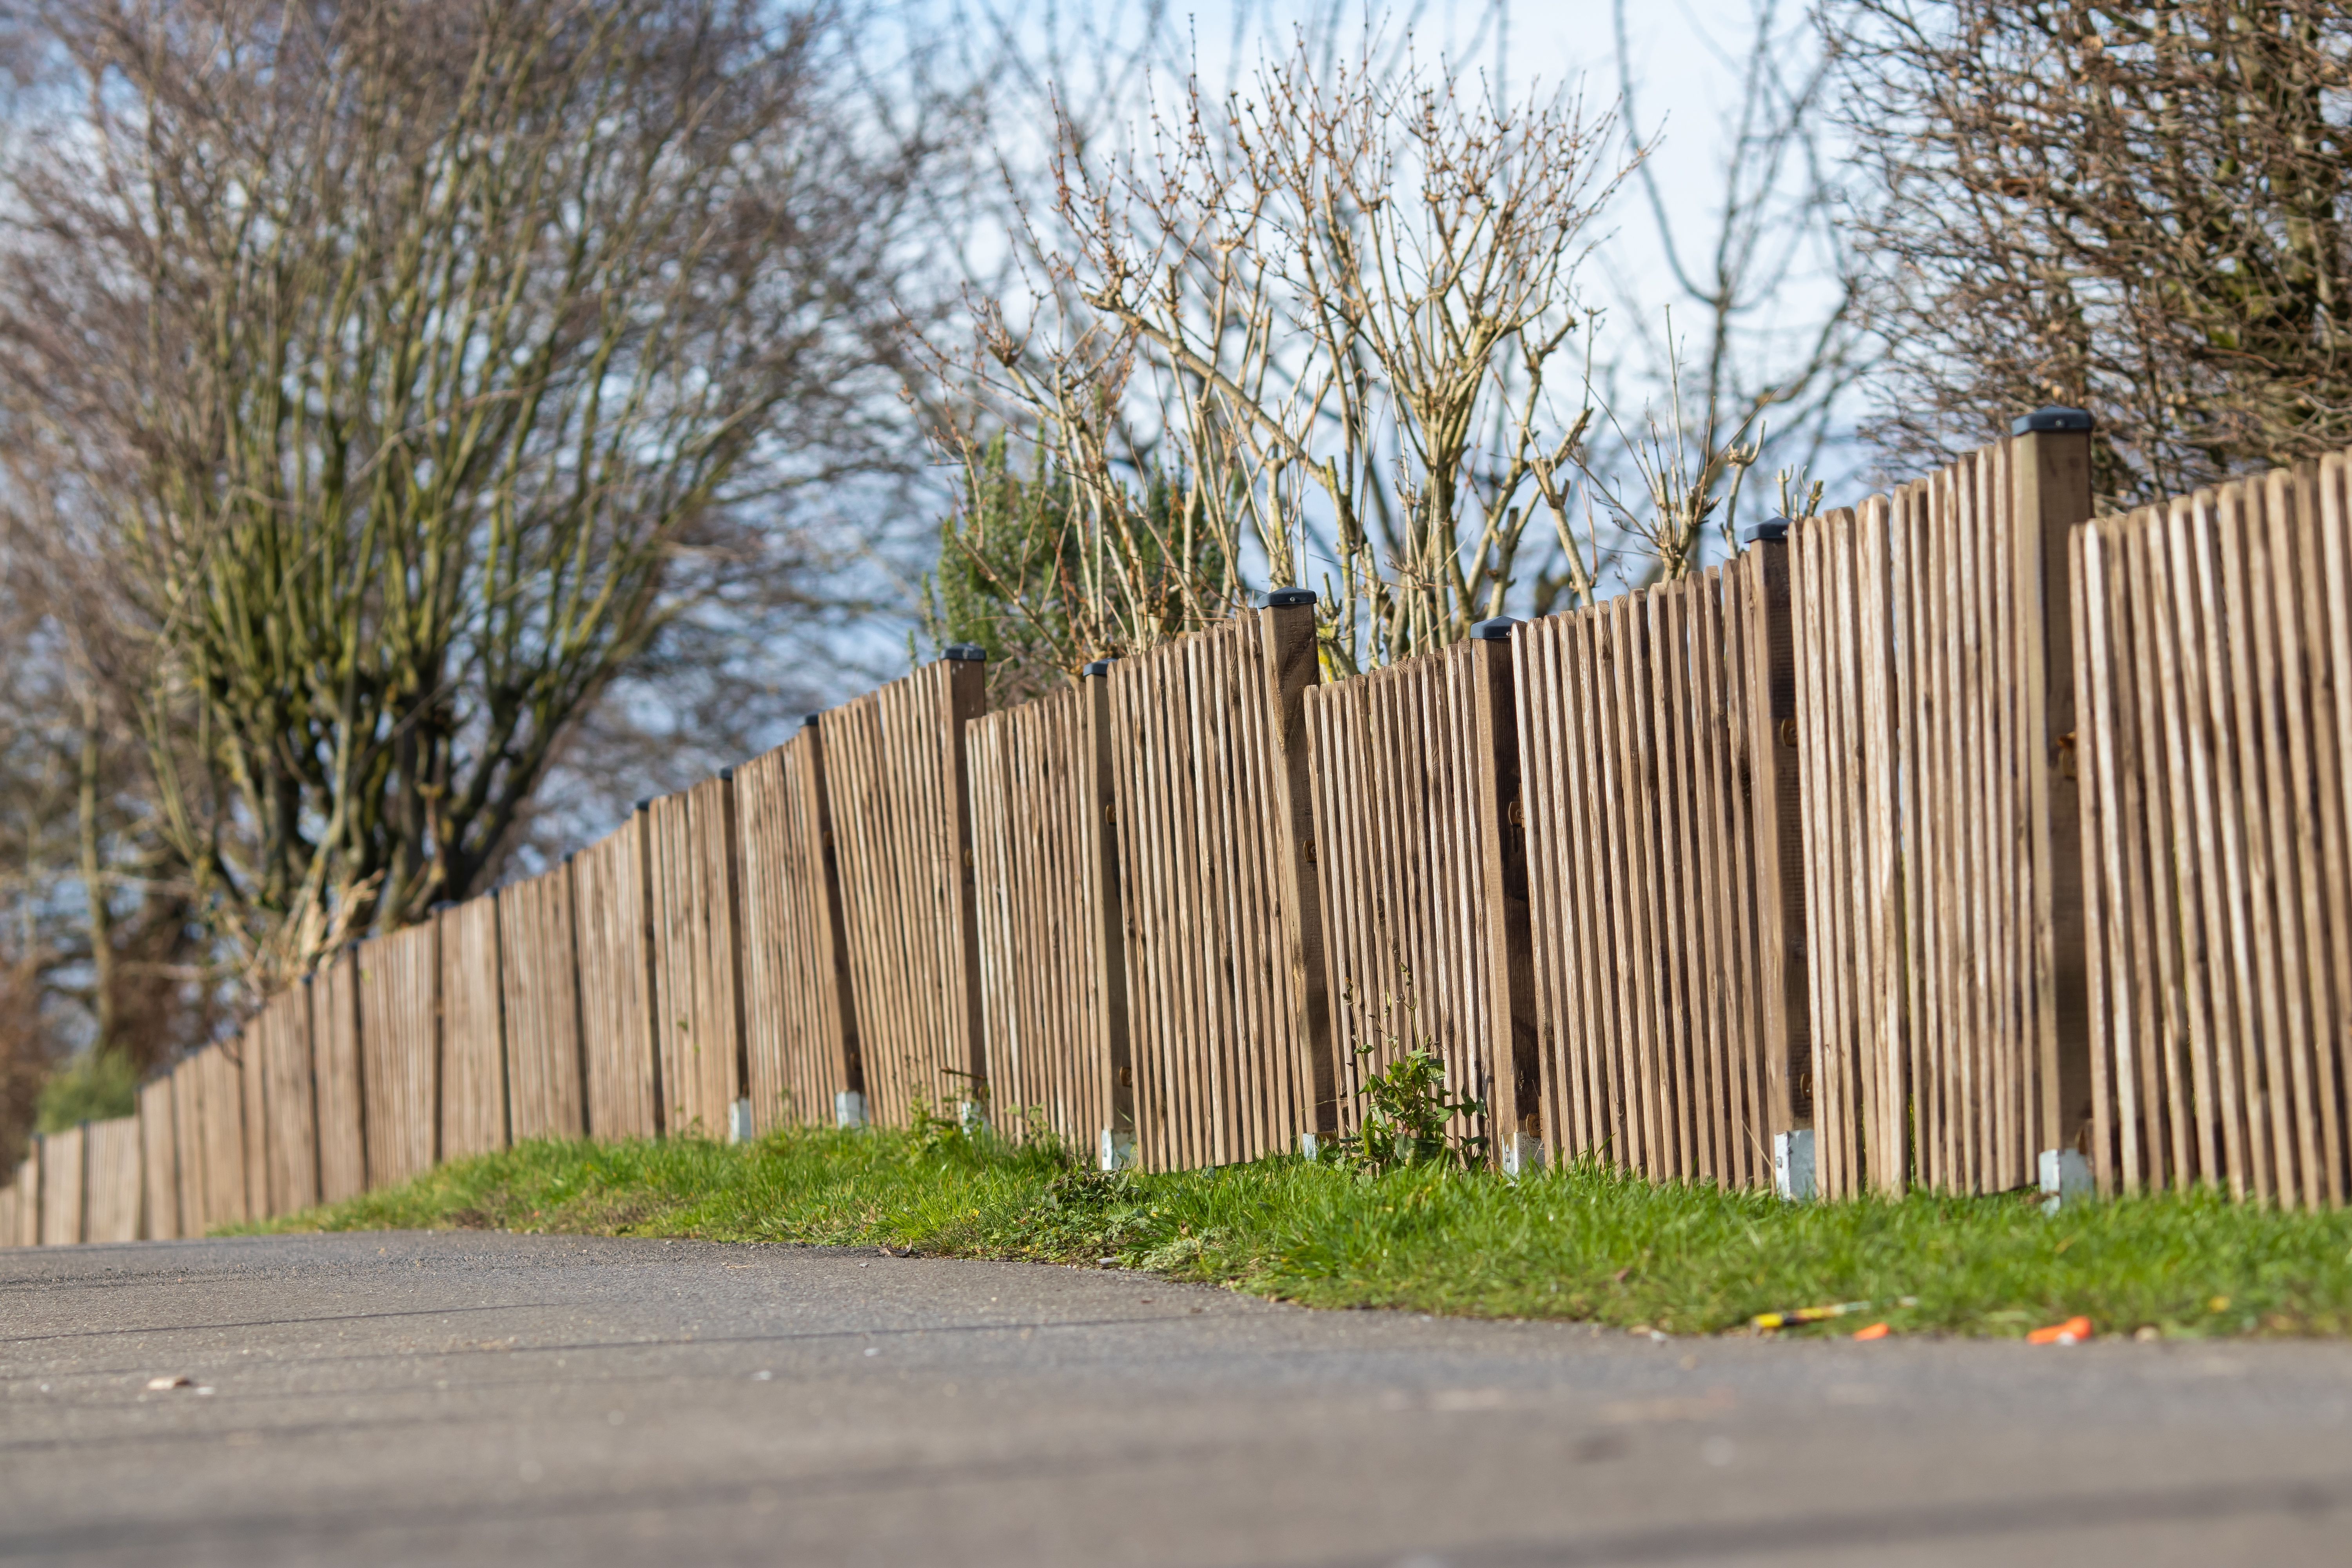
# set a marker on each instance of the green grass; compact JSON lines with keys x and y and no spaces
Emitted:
{"x":1580,"y":1243}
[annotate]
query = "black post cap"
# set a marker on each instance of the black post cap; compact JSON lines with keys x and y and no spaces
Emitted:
{"x":1099,"y":667}
{"x":1771,"y":531}
{"x":809,"y":722}
{"x":645,"y":803}
{"x":440,"y":905}
{"x":568,"y":854}
{"x":727,"y":775}
{"x":1287,"y":598}
{"x":964,"y":653}
{"x":2050,"y":418}
{"x":1497,"y":630}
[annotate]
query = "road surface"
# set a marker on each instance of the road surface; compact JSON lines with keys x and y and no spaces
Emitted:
{"x":486,"y":1398}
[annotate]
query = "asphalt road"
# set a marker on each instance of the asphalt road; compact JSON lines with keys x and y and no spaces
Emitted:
{"x":408,"y":1398}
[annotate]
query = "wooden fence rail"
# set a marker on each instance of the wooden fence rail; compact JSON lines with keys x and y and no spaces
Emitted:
{"x":1955,"y":840}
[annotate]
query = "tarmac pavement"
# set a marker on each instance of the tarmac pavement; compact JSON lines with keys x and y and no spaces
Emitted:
{"x":487,"y":1398}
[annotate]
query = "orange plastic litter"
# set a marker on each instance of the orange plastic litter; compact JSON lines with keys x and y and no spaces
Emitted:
{"x":1875,"y":1331}
{"x":2072,"y":1332}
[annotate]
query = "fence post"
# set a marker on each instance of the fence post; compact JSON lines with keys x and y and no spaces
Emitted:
{"x":2052,"y":493}
{"x":1110,"y":933}
{"x":1771,"y":661}
{"x":965,"y":698}
{"x":1286,"y":628}
{"x":1514,"y":1042}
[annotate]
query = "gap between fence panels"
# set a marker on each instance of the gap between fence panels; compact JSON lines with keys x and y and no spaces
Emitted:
{"x":1958,"y":840}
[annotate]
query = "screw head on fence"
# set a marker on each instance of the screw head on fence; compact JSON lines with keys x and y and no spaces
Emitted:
{"x":1099,"y":667}
{"x":964,"y":653}
{"x":1771,"y":531}
{"x":2050,"y":418}
{"x":1285,"y":598}
{"x":1497,"y":630}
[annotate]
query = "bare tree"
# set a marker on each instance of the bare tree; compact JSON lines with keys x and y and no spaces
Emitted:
{"x":1308,"y":333}
{"x":385,"y":383}
{"x":2139,"y":210}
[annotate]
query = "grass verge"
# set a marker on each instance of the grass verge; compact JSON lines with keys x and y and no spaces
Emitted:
{"x":1580,"y":1243}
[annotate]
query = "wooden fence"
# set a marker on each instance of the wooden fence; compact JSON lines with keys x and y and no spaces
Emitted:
{"x":1801,"y":870}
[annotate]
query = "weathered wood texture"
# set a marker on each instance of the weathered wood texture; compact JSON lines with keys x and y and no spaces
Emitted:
{"x":281,"y":1038}
{"x":253,"y":1080}
{"x":1943,"y":877}
{"x":698,"y":956}
{"x":1398,"y":836}
{"x":2213,"y":660}
{"x":159,"y":1157}
{"x":400,"y":1052}
{"x":12,"y":1211}
{"x":800,"y":1025}
{"x":614,"y":948}
{"x":113,"y":1180}
{"x":61,"y":1187}
{"x":897,"y":789}
{"x":334,"y":992}
{"x":539,"y":981}
{"x":1046,"y":1004}
{"x":1230,"y":1040}
{"x":1640,"y":723}
{"x":27,"y":1190}
{"x":473,"y":1031}
{"x":219,"y":1101}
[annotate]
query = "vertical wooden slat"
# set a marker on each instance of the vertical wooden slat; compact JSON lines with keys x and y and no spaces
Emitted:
{"x":400,"y":1049}
{"x":613,"y":942}
{"x":697,"y":955}
{"x":290,"y":1101}
{"x":111,"y":1156}
{"x":253,"y":1084}
{"x":334,"y":993}
{"x":60,"y":1156}
{"x":539,"y":987}
{"x":160,"y":1160}
{"x":474,"y":1111}
{"x":798,"y":1019}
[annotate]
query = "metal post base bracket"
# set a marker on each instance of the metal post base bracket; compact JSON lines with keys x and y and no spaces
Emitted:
{"x":1793,"y":1165}
{"x":1307,"y":1146}
{"x":1116,"y":1151}
{"x":973,"y":1116}
{"x":739,"y":1122}
{"x":2066,"y":1179}
{"x":849,"y":1109}
{"x":1522,"y":1156}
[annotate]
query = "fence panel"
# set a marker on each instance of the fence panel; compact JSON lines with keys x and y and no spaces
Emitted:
{"x":400,"y":1052}
{"x":1039,"y":900}
{"x":1654,"y":863}
{"x":159,"y":1160}
{"x":334,"y":993}
{"x":1943,"y":865}
{"x":11,"y":1207}
{"x":61,"y":1187}
{"x":616,"y":959}
{"x":2214,"y":660}
{"x":540,"y":984}
{"x":1400,"y":838}
{"x":473,"y":1031}
{"x":800,"y":1025}
{"x":898,"y":792}
{"x":1227,"y":1006}
{"x":697,"y":955}
{"x":111,"y":1180}
{"x":290,"y":1101}
{"x":220,"y":1114}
